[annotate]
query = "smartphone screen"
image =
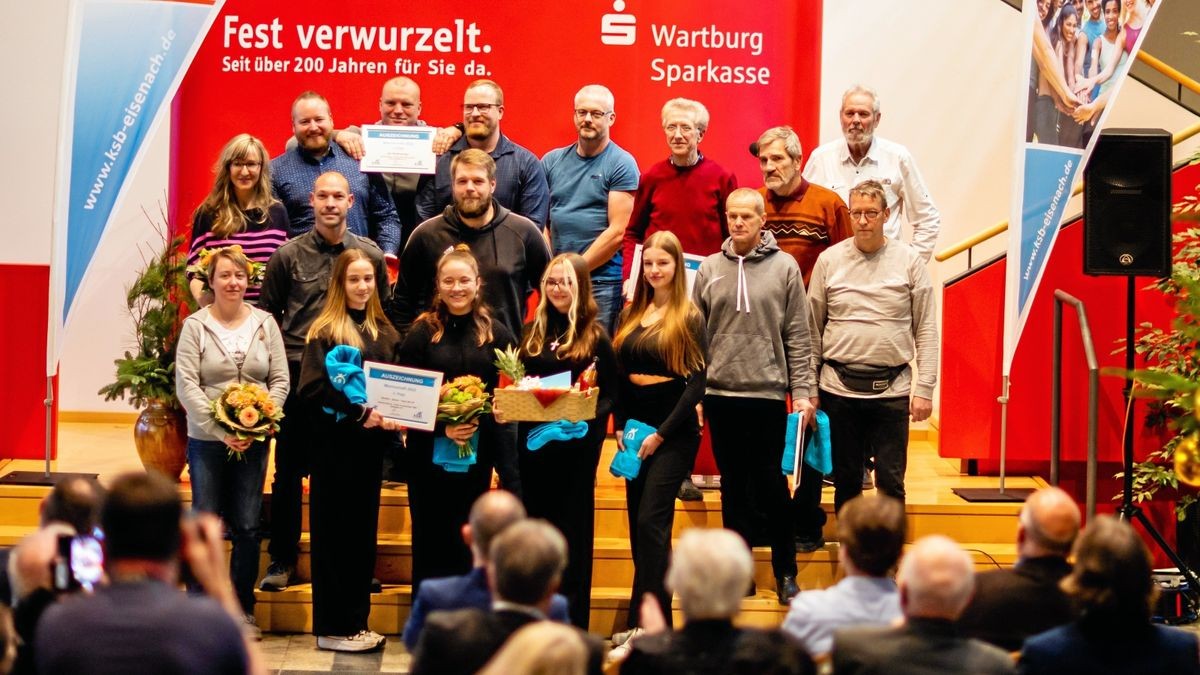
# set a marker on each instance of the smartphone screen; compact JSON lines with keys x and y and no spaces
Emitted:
{"x":87,"y":561}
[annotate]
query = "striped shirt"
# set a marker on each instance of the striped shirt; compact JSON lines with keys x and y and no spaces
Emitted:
{"x":258,"y":240}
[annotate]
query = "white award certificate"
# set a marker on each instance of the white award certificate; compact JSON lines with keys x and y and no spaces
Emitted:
{"x":395,"y":149}
{"x":406,"y":395}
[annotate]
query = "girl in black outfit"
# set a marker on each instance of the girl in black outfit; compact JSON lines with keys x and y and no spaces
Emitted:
{"x":349,"y":445}
{"x":456,"y":336}
{"x":660,"y":349}
{"x":559,"y":480}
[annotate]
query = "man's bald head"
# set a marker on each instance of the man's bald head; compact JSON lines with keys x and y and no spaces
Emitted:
{"x":1049,"y":523}
{"x":936,"y":579}
{"x":400,"y":101}
{"x":491,"y":514}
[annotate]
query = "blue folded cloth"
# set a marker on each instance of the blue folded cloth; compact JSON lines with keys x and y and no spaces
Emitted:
{"x":445,"y":454}
{"x":343,"y":364}
{"x":817,"y":453}
{"x":626,"y":463}
{"x":561,"y":430}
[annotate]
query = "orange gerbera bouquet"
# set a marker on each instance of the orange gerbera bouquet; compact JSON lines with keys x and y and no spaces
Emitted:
{"x":247,"y":411}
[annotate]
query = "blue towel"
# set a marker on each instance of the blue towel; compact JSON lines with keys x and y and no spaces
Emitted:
{"x":626,"y":463}
{"x":445,"y":454}
{"x":343,"y":363}
{"x":562,"y":430}
{"x":817,"y":453}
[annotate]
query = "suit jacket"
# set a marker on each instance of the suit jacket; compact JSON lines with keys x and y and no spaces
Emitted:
{"x":1144,"y":649}
{"x":1012,"y":604}
{"x":461,"y":592}
{"x":717,"y":647}
{"x":919,"y":647}
{"x":462,"y":641}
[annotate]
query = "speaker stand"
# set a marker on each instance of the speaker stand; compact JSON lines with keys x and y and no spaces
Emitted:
{"x":1129,"y":510}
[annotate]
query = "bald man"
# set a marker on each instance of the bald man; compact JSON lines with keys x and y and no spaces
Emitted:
{"x":936,"y":579}
{"x":1011,"y":604}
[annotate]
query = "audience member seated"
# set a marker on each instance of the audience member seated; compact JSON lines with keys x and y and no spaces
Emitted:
{"x":8,"y":641}
{"x":490,"y":515}
{"x":541,"y":648}
{"x":525,"y":566}
{"x":936,"y":579}
{"x":1112,"y":587}
{"x":141,"y":621}
{"x":1009,"y":605}
{"x":709,"y":573}
{"x":70,"y":508}
{"x":871,"y":531}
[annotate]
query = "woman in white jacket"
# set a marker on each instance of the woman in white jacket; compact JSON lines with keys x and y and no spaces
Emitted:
{"x":226,"y":343}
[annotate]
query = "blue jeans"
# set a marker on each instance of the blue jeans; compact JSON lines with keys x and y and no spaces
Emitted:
{"x":607,"y":293}
{"x":232,"y":488}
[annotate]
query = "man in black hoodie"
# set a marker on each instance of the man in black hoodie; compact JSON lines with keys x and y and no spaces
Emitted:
{"x":510,"y":249}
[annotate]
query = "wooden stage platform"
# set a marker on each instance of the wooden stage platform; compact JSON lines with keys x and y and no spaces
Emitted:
{"x":988,"y":531}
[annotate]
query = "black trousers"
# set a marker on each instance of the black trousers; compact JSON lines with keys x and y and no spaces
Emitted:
{"x":747,"y":439}
{"x":293,"y":460}
{"x":860,"y":428}
{"x":439,"y":504}
{"x":344,"y":510}
{"x":650,"y":498}
{"x":558,"y":483}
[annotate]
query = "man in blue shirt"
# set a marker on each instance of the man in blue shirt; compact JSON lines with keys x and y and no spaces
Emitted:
{"x":373,"y":214}
{"x":592,"y":182}
{"x":520,"y":180}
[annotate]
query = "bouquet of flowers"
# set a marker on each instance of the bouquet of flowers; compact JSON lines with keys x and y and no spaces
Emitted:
{"x":247,"y":412}
{"x":258,"y":271}
{"x":461,"y":400}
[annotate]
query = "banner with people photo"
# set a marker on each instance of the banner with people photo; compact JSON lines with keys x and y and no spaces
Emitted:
{"x":754,"y":66}
{"x":124,"y":61}
{"x":1080,"y":55}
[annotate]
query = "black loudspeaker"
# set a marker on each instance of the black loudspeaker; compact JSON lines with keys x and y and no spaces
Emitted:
{"x":1127,"y":204}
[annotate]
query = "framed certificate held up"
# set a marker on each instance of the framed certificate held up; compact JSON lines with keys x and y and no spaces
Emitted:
{"x":396,"y":149}
{"x":406,"y":395}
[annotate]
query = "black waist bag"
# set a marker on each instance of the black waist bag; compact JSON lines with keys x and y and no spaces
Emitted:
{"x":864,"y":378}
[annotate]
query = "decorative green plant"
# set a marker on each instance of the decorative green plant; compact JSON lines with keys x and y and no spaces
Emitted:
{"x":157,"y":301}
{"x":1172,"y":377}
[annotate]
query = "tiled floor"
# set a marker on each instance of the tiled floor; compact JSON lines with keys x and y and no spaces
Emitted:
{"x":298,"y":654}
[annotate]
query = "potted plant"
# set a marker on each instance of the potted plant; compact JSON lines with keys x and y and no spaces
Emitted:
{"x":157,"y":301}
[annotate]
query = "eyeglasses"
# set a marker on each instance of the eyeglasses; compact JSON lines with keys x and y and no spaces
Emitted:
{"x":557,"y":283}
{"x":470,"y":108}
{"x":594,"y":114}
{"x":240,"y":164}
{"x":869,"y":215}
{"x":684,"y":129}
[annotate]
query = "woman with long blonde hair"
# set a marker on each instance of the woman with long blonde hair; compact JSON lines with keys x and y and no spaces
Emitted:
{"x":239,"y":210}
{"x":558,"y":477}
{"x":457,"y":336}
{"x":350,"y":439}
{"x":660,"y":348}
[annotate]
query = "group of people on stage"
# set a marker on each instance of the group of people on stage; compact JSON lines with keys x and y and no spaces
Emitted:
{"x":1080,"y":50}
{"x":809,"y":298}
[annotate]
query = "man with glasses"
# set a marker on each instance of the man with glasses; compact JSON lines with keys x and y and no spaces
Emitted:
{"x":591,"y":195}
{"x":861,"y":155}
{"x":520,"y":181}
{"x":805,"y":220}
{"x":873,"y":309}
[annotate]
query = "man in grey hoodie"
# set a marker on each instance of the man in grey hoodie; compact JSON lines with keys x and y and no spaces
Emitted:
{"x":759,"y":347}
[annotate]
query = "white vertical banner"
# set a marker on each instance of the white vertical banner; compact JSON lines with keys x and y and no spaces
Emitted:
{"x":124,"y":63}
{"x":1075,"y":72}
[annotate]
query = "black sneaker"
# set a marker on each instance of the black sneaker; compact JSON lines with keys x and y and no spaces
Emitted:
{"x":278,"y":577}
{"x":688,"y":492}
{"x":787,"y":589}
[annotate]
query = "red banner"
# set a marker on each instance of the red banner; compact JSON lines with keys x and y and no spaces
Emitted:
{"x":754,"y":65}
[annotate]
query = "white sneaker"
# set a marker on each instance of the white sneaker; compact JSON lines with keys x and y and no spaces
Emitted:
{"x":363,"y":641}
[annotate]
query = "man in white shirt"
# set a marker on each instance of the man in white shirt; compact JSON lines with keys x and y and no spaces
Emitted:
{"x":840,"y":165}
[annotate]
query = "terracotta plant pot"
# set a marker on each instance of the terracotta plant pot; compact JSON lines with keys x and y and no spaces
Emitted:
{"x":160,"y":435}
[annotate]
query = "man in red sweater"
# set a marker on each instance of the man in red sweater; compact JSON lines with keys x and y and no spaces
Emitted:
{"x":685,"y":194}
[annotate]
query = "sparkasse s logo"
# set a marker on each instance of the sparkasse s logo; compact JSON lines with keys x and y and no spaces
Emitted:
{"x":618,"y":28}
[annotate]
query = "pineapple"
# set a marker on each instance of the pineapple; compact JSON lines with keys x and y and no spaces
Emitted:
{"x":509,"y":364}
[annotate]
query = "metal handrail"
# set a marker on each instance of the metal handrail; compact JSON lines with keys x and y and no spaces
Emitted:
{"x":1089,"y":351}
